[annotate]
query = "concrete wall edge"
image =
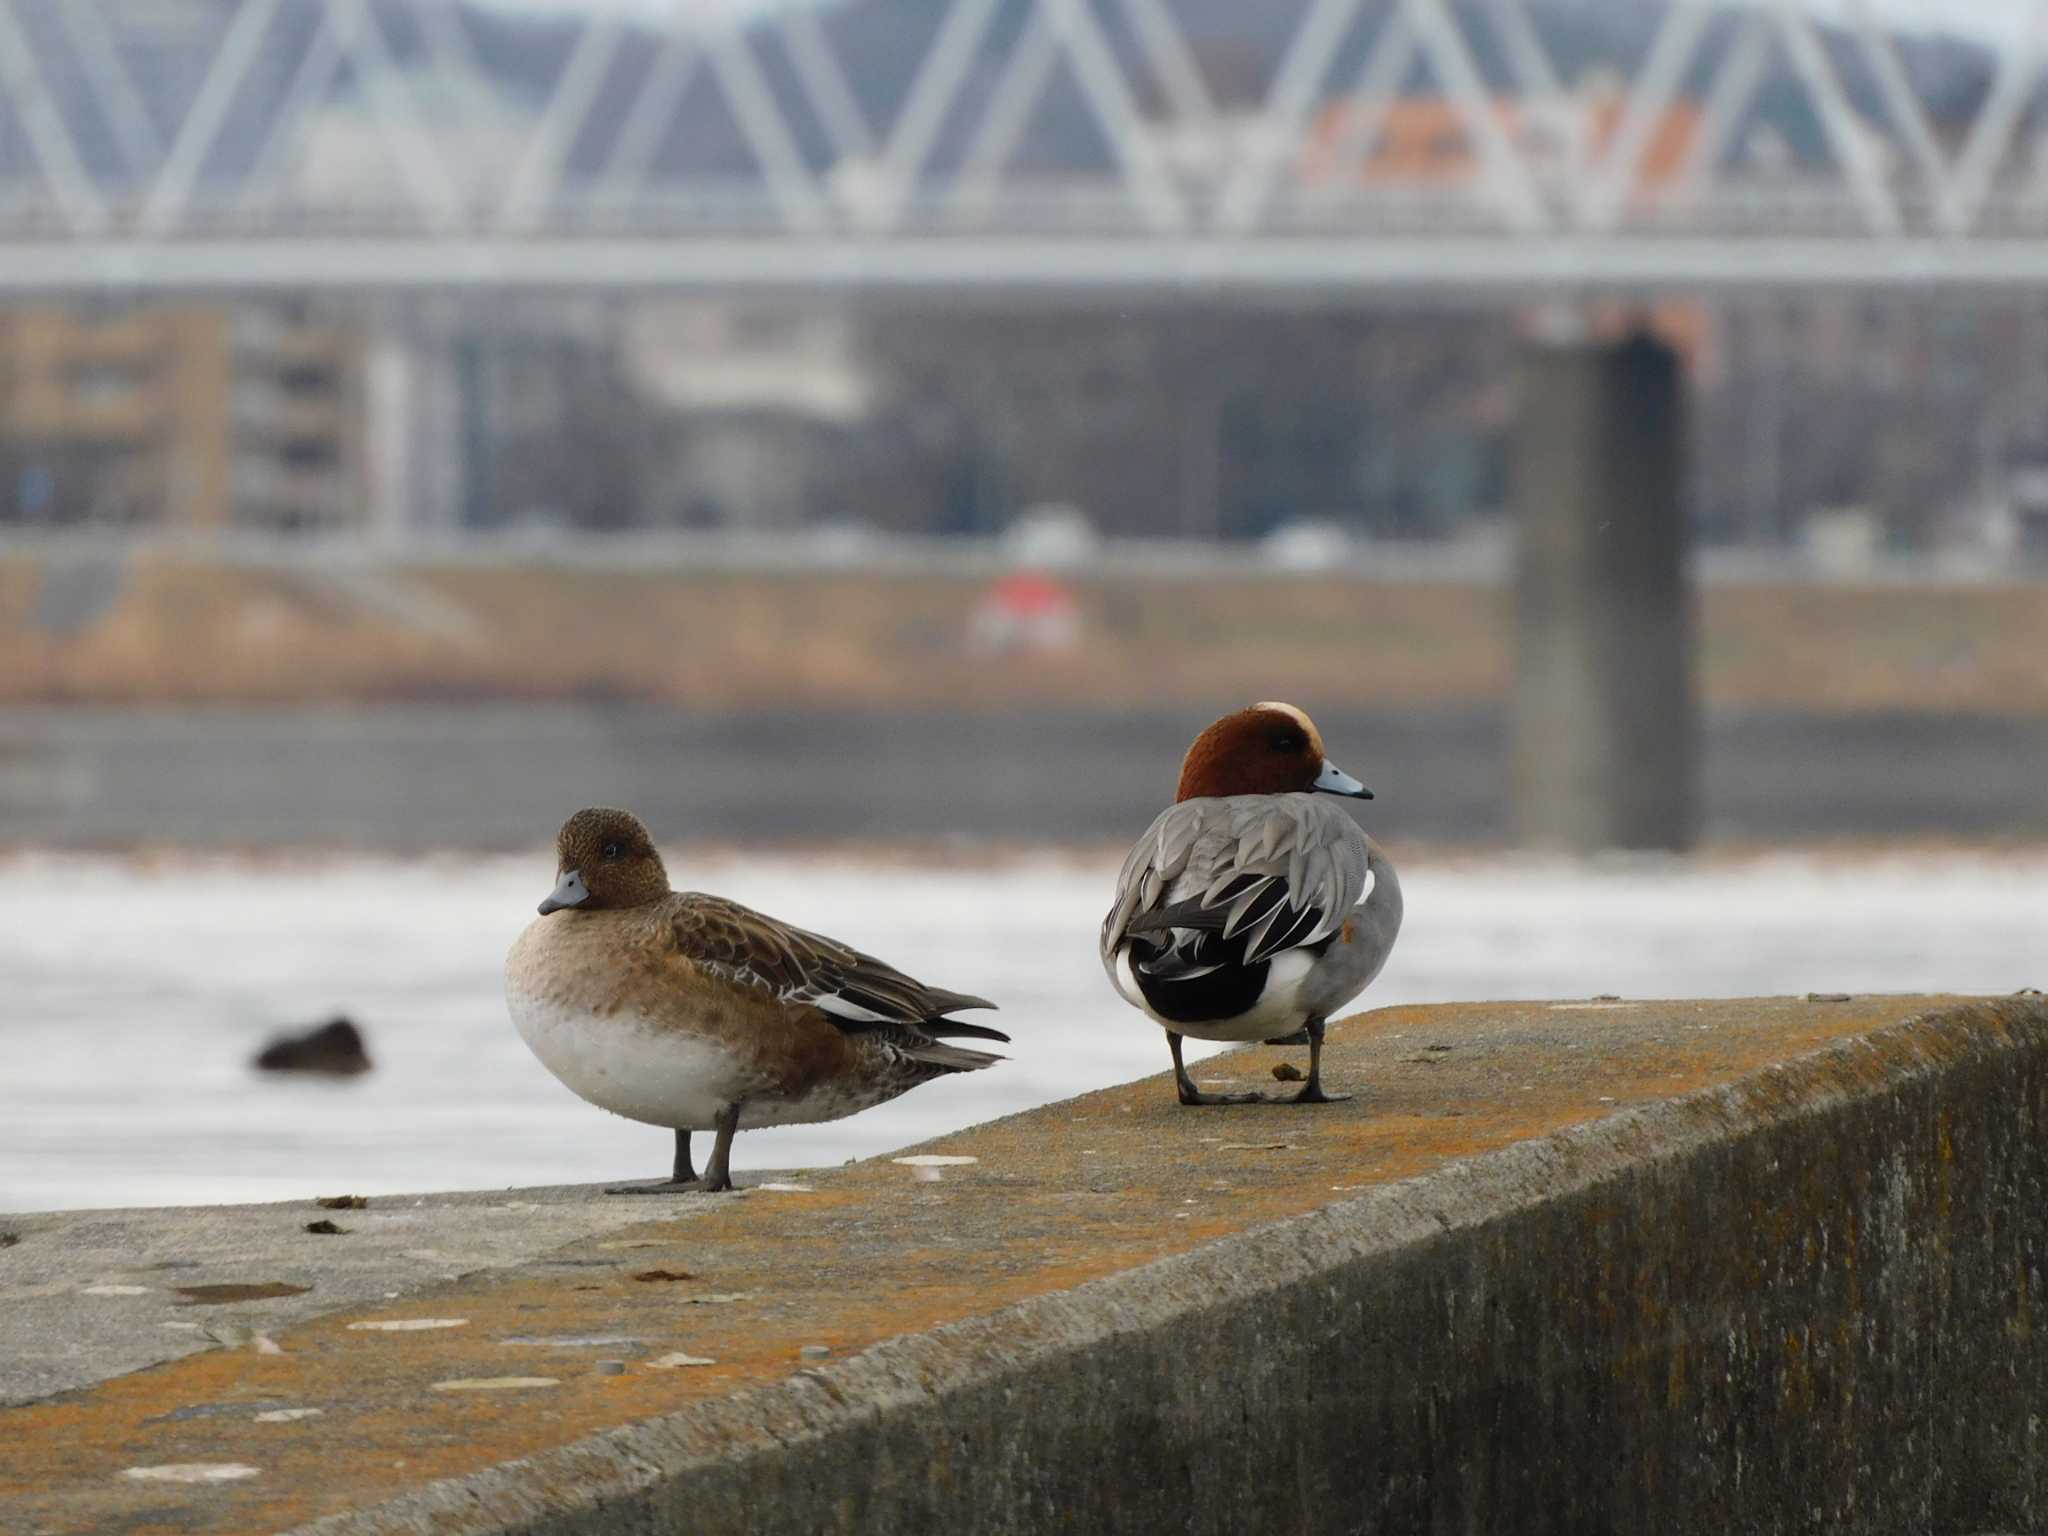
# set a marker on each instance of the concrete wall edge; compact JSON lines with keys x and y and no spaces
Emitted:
{"x":606,"y":1472}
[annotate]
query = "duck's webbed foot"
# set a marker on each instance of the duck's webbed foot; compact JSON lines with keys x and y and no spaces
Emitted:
{"x":1313,"y":1092}
{"x":683,"y":1179}
{"x":1192,"y":1096}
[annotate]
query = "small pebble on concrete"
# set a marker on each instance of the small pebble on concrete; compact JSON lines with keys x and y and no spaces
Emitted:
{"x":815,"y":1351}
{"x":235,"y":1336}
{"x":678,"y":1359}
{"x":494,"y":1383}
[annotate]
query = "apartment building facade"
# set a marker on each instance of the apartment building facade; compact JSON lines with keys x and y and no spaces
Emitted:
{"x":189,"y":417}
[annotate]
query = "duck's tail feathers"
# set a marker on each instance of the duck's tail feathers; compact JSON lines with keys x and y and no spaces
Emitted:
{"x":943,"y":1001}
{"x":952,"y":1058}
{"x":937,"y":1029}
{"x":958,"y":1030}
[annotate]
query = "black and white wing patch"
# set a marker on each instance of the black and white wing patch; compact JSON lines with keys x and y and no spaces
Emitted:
{"x":855,"y":990}
{"x":1245,"y":920}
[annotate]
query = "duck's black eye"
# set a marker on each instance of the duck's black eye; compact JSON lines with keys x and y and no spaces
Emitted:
{"x":611,"y":850}
{"x":1288,"y":741}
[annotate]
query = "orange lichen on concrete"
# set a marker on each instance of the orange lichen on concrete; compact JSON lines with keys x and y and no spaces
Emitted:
{"x":875,"y":1252}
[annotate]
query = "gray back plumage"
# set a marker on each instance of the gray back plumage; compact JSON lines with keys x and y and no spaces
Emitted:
{"x":1211,"y":865}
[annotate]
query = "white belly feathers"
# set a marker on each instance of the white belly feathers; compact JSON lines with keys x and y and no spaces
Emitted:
{"x":628,"y":1066}
{"x":665,"y":1076}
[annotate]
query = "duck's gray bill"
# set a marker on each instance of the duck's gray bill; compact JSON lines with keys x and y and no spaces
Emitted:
{"x":1335,"y":781}
{"x":571,"y":892}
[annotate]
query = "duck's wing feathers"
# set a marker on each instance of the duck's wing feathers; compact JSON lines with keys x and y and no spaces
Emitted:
{"x":1278,"y":871}
{"x":856,"y":991}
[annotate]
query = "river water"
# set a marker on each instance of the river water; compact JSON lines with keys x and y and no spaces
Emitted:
{"x":136,"y":991}
{"x":402,"y":778}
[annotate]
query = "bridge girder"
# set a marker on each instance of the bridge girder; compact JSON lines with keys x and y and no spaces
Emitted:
{"x":439,"y":173}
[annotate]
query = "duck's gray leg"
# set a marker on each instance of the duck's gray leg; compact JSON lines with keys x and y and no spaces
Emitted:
{"x":718,"y":1172}
{"x":1312,"y":1090}
{"x":1190,"y":1094}
{"x":681,"y":1180}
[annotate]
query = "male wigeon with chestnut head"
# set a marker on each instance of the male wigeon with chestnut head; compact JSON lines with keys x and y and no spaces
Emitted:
{"x":1254,"y":907}
{"x":695,"y":1013}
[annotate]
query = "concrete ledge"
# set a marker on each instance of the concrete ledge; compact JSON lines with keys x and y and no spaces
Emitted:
{"x":1679,"y":1267}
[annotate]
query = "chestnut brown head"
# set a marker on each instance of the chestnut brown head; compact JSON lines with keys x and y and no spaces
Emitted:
{"x":604,"y":859}
{"x":1268,"y":749}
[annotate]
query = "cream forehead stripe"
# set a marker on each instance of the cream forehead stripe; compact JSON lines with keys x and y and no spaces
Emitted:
{"x":1300,"y":719}
{"x":1288,"y":709}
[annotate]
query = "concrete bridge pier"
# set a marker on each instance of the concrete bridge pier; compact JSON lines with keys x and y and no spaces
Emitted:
{"x":1605,"y":735}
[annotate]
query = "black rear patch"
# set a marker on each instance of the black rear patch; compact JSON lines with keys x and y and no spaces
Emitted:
{"x":1223,"y":993}
{"x":1189,"y":973}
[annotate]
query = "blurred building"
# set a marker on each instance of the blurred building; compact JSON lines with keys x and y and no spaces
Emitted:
{"x":762,"y":399}
{"x":1422,"y":140}
{"x":180,"y":417}
{"x":1420,"y":143}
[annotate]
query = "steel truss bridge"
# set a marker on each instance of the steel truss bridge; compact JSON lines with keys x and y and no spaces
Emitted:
{"x":245,"y":145}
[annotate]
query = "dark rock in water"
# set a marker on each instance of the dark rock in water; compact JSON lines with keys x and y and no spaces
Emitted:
{"x":335,"y":1049}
